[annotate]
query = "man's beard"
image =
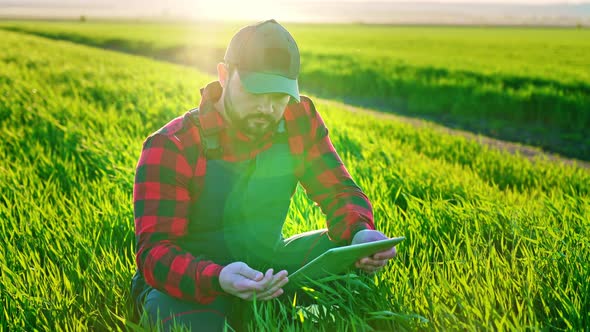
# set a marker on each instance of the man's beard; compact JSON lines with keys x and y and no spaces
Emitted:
{"x":255,"y":125}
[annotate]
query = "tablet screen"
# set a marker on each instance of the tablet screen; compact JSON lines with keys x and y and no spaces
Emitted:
{"x":338,"y":260}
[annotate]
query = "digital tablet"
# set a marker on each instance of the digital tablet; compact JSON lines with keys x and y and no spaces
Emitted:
{"x":339,"y":260}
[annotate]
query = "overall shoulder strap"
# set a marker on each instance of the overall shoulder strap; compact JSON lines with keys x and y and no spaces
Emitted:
{"x":209,"y":137}
{"x":280,"y":135}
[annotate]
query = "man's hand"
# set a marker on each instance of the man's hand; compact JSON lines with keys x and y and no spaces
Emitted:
{"x":240,"y":280}
{"x":377,"y":261}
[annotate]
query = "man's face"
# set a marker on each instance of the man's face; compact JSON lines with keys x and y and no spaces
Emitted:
{"x":253,"y":114}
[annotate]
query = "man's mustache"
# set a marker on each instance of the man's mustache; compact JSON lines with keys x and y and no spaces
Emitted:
{"x":267,"y":118}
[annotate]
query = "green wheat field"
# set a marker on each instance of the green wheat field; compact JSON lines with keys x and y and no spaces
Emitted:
{"x":521,"y":84}
{"x":494,"y":241}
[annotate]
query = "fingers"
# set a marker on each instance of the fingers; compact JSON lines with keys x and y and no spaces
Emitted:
{"x":279,"y":280}
{"x":379,"y":259}
{"x":273,"y":292}
{"x":244,"y":282}
{"x":266,"y":289}
{"x":376,"y":262}
{"x":248,"y":286}
{"x":384,"y":255}
{"x":372,"y":267}
{"x":276,"y":287}
{"x":277,"y":293}
{"x":250,"y":273}
{"x":237,"y":277}
{"x":367,"y":261}
{"x":371,"y":270}
{"x":267,"y":281}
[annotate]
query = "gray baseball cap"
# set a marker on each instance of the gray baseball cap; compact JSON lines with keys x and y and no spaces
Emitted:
{"x":267,"y":58}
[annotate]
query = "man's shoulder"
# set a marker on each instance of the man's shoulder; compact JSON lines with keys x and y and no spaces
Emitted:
{"x":180,"y":130}
{"x":301,"y":113}
{"x":304,"y":124}
{"x":306,"y":102}
{"x":304,"y":107}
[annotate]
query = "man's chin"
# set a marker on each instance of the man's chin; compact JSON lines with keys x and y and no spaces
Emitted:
{"x":256,"y":133}
{"x":258,"y":129}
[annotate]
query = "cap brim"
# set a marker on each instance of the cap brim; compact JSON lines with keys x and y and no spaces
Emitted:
{"x":268,"y":83}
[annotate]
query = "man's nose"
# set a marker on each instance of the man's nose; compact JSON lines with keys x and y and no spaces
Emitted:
{"x":265,"y":105}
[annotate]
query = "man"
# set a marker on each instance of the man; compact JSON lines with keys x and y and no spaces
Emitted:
{"x":213,"y":187}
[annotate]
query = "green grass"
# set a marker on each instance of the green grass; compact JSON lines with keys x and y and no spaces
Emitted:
{"x":494,"y":241}
{"x":521,"y":84}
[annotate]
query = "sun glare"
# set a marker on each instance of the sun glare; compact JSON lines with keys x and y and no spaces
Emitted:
{"x":222,"y":10}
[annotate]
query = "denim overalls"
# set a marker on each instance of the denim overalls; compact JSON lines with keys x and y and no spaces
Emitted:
{"x":239,"y":216}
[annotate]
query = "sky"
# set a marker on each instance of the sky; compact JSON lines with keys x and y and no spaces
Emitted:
{"x":82,"y":2}
{"x":530,"y":2}
{"x":368,"y":11}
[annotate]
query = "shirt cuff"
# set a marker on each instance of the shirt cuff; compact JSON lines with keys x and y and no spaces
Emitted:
{"x":211,"y":287}
{"x":215,"y":285}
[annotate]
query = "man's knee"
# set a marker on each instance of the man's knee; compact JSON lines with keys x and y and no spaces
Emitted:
{"x":166,"y":312}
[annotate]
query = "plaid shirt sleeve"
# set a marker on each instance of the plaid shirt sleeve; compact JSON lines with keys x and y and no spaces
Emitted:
{"x":161,"y":201}
{"x":328,"y":183}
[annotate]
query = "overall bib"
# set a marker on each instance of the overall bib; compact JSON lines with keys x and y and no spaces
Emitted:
{"x":239,"y":216}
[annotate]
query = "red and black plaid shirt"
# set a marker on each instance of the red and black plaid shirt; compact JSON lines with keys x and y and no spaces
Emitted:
{"x":170,"y":161}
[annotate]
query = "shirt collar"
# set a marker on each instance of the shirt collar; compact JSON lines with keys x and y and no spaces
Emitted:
{"x":210,"y":118}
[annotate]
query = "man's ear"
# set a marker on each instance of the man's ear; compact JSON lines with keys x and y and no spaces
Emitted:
{"x":222,"y":73}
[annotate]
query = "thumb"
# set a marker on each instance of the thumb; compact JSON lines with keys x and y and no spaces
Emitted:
{"x":250,"y":273}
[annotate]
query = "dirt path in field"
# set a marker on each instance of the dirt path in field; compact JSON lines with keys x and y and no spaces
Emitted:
{"x":526,"y":151}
